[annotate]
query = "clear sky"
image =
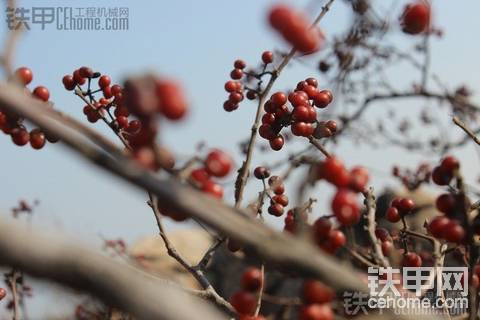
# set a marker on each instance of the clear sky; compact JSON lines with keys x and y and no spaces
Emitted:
{"x":195,"y":42}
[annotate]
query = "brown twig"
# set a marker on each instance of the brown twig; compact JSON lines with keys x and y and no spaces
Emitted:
{"x":371,"y":226}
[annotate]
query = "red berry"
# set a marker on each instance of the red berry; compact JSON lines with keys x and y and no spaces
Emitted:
{"x":321,"y":228}
{"x":235,"y":97}
{"x":278,"y":99}
{"x":78,"y":78}
{"x":244,"y":302}
{"x":268,"y":118}
{"x":281,"y":199}
{"x":213,"y":189}
{"x":345,"y":207}
{"x":230,"y":86}
{"x":172,"y":100}
{"x":416,"y":18}
{"x":301,"y":113}
{"x":85,"y":72}
{"x":277,"y":143}
{"x":438,"y":227}
{"x":298,"y":98}
{"x":37,"y":139}
{"x":336,"y":239}
{"x":133,"y":126}
{"x":24,"y":74}
{"x":41,"y":93}
{"x":333,"y":169}
{"x":406,"y":205}
{"x":122,"y":121}
{"x":382,"y":234}
{"x":445,"y":203}
{"x":440,"y":176}
{"x":266,"y":132}
{"x":239,"y":64}
{"x":104,"y":81}
{"x":358,"y":179}
{"x":68,"y":82}
{"x":302,"y":129}
{"x":316,"y":312}
{"x":314,"y":291}
{"x":454,"y":232}
{"x":261,"y":173}
{"x":312,"y":81}
{"x":200,"y":175}
{"x":218,"y":163}
{"x":275,"y":209}
{"x":449,"y":164}
{"x":322,"y":99}
{"x":387,"y":247}
{"x":267,"y":57}
{"x":251,"y":95}
{"x":236,"y":74}
{"x":3,"y":293}
{"x":393,"y":215}
{"x":412,"y":259}
{"x":252,"y":279}
{"x":20,"y":136}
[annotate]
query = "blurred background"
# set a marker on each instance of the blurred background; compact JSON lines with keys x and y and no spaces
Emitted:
{"x":196,"y":43}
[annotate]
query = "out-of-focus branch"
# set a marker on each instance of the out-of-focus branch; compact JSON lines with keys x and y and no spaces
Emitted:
{"x":467,"y":130}
{"x":9,"y":45}
{"x":116,"y":284}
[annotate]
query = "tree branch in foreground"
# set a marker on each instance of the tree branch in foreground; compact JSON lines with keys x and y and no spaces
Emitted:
{"x":114,"y":283}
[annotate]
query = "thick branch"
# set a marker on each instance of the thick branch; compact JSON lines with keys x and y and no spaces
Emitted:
{"x":116,"y":284}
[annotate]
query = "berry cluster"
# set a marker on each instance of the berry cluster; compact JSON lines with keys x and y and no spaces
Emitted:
{"x":344,"y":204}
{"x":278,"y":200}
{"x":217,"y":164}
{"x":14,"y":126}
{"x":236,"y":88}
{"x":443,"y":174}
{"x":316,"y":298}
{"x":245,"y":300}
{"x":303,"y":116}
{"x":416,"y":18}
{"x":295,"y":29}
{"x":399,"y":207}
{"x":442,"y":227}
{"x":142,"y":98}
{"x":326,"y":237}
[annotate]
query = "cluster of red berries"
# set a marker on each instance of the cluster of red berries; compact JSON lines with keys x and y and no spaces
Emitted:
{"x":416,"y":18}
{"x":443,"y":174}
{"x":295,"y":29}
{"x":348,"y":182}
{"x":143,"y":98}
{"x":326,"y":237}
{"x":217,"y":164}
{"x":399,"y":207}
{"x":302,"y":118}
{"x":278,"y":200}
{"x":245,"y":300}
{"x":383,"y":235}
{"x":236,"y":89}
{"x":316,"y":298}
{"x":14,"y":126}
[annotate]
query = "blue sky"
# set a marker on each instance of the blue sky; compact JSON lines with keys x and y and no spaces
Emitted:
{"x":195,"y":42}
